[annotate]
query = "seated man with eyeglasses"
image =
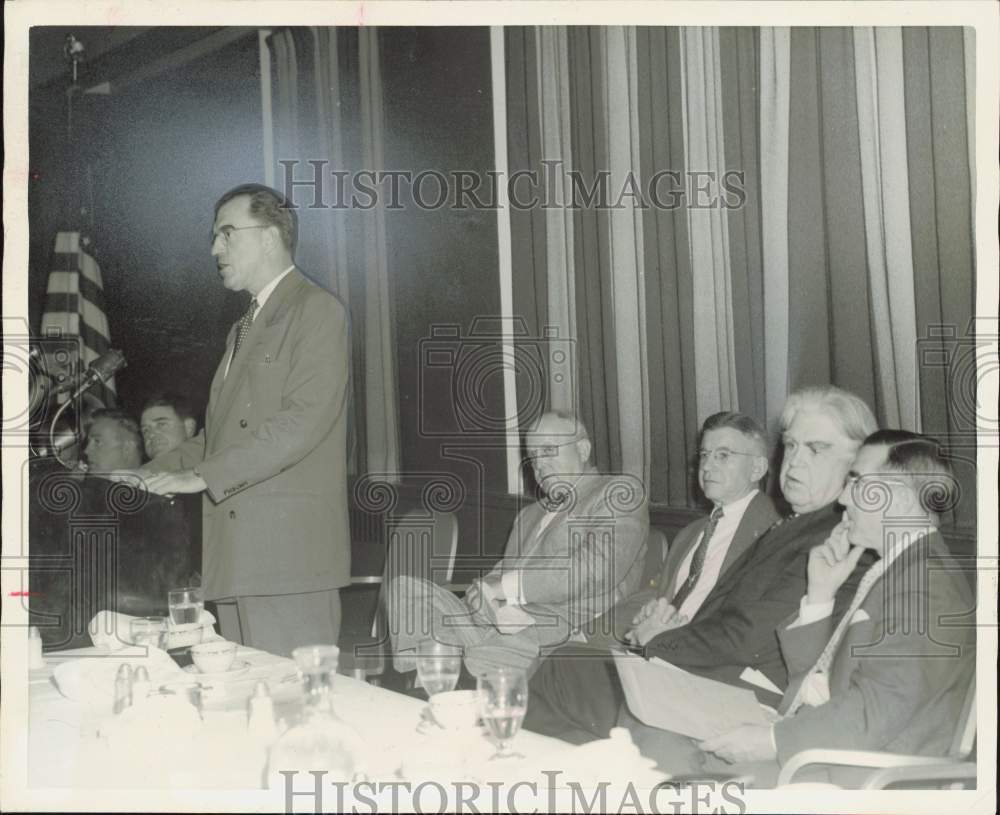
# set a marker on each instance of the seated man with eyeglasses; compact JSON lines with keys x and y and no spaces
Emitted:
{"x":570,"y":556}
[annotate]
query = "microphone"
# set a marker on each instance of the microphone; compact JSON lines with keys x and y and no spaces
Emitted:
{"x":60,"y":444}
{"x":100,"y":370}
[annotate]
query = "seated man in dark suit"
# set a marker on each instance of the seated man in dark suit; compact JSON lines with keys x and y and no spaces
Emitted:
{"x":732,"y":462}
{"x":889,"y":672}
{"x":569,"y":558}
{"x":579,"y":697}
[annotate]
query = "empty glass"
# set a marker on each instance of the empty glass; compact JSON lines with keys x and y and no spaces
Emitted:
{"x":150,"y":632}
{"x":438,"y":666}
{"x":317,"y":666}
{"x":185,"y":605}
{"x":503,"y":700}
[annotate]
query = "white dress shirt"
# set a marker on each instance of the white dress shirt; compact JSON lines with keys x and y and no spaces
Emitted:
{"x":718,"y":547}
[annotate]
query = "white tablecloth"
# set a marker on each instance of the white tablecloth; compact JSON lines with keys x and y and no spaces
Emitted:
{"x":69,"y":745}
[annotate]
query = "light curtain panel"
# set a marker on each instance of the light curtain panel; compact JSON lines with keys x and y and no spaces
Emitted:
{"x":846,"y":257}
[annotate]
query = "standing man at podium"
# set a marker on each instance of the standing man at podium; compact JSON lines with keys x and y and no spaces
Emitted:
{"x":274,"y":472}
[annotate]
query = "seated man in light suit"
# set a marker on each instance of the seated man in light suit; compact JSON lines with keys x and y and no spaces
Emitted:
{"x":890,"y":672}
{"x":569,"y":558}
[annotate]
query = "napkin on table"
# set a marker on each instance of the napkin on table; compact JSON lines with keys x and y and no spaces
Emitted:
{"x":110,"y":630}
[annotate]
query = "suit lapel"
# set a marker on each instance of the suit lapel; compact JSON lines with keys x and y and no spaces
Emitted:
{"x":754,"y":523}
{"x":225,"y":386}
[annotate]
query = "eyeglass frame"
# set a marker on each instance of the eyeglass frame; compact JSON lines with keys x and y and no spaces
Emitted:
{"x":550,"y":450}
{"x":227,"y":231}
{"x":851,"y":480}
{"x":713,"y":455}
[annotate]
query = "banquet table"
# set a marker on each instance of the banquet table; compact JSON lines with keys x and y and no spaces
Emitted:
{"x":68,"y":744}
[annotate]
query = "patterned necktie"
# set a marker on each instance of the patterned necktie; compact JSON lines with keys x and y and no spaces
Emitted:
{"x":698,"y":560}
{"x":825,"y":659}
{"x":244,"y":327}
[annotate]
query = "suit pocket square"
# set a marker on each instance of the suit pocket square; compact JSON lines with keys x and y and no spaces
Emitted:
{"x":860,"y":616}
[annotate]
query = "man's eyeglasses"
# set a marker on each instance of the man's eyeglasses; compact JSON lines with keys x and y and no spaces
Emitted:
{"x":548,"y":450}
{"x":720,"y":455}
{"x":226,"y":232}
{"x":853,"y":479}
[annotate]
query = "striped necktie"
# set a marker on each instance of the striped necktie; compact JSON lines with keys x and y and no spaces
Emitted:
{"x":825,"y":659}
{"x":698,"y":560}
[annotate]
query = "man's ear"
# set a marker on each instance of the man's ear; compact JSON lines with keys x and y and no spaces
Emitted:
{"x":272,"y":238}
{"x":190,"y":428}
{"x":759,"y":468}
{"x":906,"y":503}
{"x":583,"y":448}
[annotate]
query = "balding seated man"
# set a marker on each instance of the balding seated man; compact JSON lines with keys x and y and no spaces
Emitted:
{"x":569,"y":558}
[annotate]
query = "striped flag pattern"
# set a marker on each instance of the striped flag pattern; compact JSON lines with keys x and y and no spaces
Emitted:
{"x":74,"y":308}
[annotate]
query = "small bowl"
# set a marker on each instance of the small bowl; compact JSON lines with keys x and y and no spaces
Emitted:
{"x":455,"y":709}
{"x":214,"y":657}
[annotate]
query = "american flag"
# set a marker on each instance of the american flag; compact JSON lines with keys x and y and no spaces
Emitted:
{"x":74,"y":308}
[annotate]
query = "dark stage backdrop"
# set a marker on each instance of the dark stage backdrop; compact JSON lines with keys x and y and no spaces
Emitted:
{"x":148,"y":162}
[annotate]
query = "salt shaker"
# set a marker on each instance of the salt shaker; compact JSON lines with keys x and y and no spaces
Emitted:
{"x":260,"y":716}
{"x":35,"y":658}
{"x":123,"y":688}
{"x":141,"y":686}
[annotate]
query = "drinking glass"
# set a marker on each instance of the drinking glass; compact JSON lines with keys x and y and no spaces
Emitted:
{"x":503,"y":700}
{"x":150,"y":632}
{"x":185,"y":605}
{"x":438,"y":666}
{"x":317,"y":666}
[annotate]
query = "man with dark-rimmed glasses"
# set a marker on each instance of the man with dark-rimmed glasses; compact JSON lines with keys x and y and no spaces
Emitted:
{"x":274,"y":474}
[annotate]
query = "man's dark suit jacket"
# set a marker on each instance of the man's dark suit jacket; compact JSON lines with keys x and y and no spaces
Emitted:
{"x":900,"y":674}
{"x":758,"y":517}
{"x":734,"y":629}
{"x":735,"y":626}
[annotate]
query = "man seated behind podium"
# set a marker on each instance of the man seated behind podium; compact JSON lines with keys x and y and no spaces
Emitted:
{"x":113,"y":442}
{"x":167,"y":421}
{"x":575,"y":696}
{"x":891,"y":671}
{"x":569,"y":557}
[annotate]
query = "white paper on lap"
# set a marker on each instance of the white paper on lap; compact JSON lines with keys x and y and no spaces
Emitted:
{"x":662,"y":695}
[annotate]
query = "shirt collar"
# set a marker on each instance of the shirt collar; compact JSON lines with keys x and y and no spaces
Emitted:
{"x":736,"y":508}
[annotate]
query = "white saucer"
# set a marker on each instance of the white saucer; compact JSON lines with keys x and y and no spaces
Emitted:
{"x":240,"y":667}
